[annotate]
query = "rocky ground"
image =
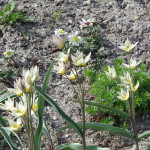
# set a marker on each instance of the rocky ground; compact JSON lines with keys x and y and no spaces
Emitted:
{"x":118,"y":19}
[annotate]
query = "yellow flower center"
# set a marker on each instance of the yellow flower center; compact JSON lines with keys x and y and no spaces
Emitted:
{"x":124,"y":97}
{"x":132,"y":67}
{"x":15,"y":126}
{"x":62,"y":71}
{"x":72,"y":77}
{"x":60,"y":45}
{"x":8,"y":53}
{"x":35,"y":106}
{"x":75,"y":39}
{"x":19,"y":93}
{"x":64,"y":58}
{"x":61,"y":31}
{"x":128,"y":80}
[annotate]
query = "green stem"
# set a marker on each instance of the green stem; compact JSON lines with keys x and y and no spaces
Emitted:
{"x":83,"y":120}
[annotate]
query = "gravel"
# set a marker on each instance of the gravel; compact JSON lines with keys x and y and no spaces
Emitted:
{"x":118,"y":19}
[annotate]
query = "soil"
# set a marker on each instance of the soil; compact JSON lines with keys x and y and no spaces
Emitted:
{"x":118,"y":19}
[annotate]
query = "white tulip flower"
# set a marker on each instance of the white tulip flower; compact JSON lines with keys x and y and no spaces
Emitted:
{"x":60,"y":68}
{"x":78,"y":59}
{"x":8,"y":53}
{"x":133,"y":64}
{"x":123,"y":95}
{"x":111,"y":72}
{"x":60,"y":32}
{"x":31,"y":75}
{"x":126,"y":79}
{"x":74,"y":39}
{"x":86,"y":23}
{"x":128,"y":46}
{"x":13,"y":125}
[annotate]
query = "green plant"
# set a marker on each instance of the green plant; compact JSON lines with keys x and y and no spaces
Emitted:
{"x":9,"y":16}
{"x":56,"y":15}
{"x":104,"y":90}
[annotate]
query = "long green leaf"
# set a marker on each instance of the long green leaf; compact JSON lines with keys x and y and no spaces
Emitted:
{"x":77,"y":146}
{"x":6,"y":96}
{"x":107,"y":108}
{"x":41,"y":107}
{"x":12,"y":5}
{"x":144,"y":135}
{"x":44,"y":129}
{"x":59,"y":110}
{"x":8,"y":139}
{"x":104,"y":127}
{"x":145,"y":147}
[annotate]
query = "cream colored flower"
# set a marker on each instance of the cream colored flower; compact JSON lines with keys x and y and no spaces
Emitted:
{"x":13,"y":125}
{"x":20,"y":87}
{"x":111,"y":72}
{"x":60,"y":68}
{"x":123,"y":95}
{"x":78,"y":59}
{"x":8,"y":53}
{"x":57,"y":41}
{"x":86,"y":23}
{"x":60,"y":32}
{"x":8,"y":105}
{"x":35,"y":103}
{"x":128,"y":46}
{"x":126,"y":79}
{"x":133,"y":64}
{"x":63,"y":57}
{"x":31,"y":75}
{"x":74,"y":39}
{"x":20,"y":109}
{"x":134,"y":88}
{"x":73,"y":75}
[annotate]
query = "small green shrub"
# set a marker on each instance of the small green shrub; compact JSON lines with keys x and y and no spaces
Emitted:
{"x":9,"y":16}
{"x":105,"y":90}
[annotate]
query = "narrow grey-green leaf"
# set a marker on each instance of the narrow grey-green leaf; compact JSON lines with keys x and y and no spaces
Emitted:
{"x":144,"y":135}
{"x":78,"y":146}
{"x":41,"y":108}
{"x":107,"y":108}
{"x":8,"y":139}
{"x":28,"y":19}
{"x":12,"y":5}
{"x":6,"y":96}
{"x":105,"y":127}
{"x":145,"y":147}
{"x":60,"y":111}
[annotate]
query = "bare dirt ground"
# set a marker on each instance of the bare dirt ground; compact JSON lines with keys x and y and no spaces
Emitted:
{"x":118,"y":19}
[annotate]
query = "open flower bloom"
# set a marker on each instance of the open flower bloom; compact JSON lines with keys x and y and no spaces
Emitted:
{"x":35,"y":103}
{"x":74,"y":39}
{"x":86,"y":23}
{"x":20,"y":109}
{"x":78,"y":59}
{"x":57,"y":41}
{"x":9,"y":105}
{"x":128,"y":46}
{"x":31,"y":75}
{"x":111,"y":72}
{"x":134,"y":87}
{"x":13,"y":125}
{"x":60,"y":32}
{"x":8,"y":53}
{"x":126,"y":79}
{"x":123,"y":95}
{"x":63,"y":57}
{"x":60,"y":68}
{"x":73,"y":75}
{"x":133,"y":64}
{"x":20,"y":87}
